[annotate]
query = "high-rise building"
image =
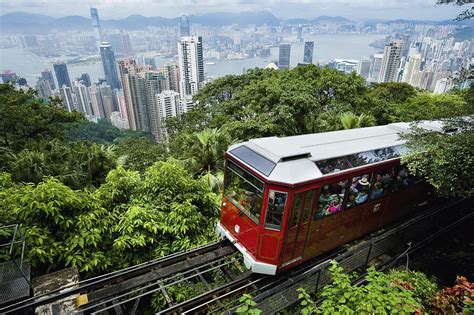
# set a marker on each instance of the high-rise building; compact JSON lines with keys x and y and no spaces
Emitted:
{"x":284,"y":56}
{"x":99,"y":36}
{"x":62,"y":75}
{"x":376,"y":64}
{"x":110,"y":67}
{"x":44,"y":89}
{"x":171,"y":72}
{"x":168,"y":104}
{"x":155,"y":83}
{"x":134,"y":89}
{"x":96,"y":101}
{"x":308,"y":52}
{"x":391,"y":61}
{"x":412,"y":67}
{"x":68,"y":98}
{"x":300,"y":33}
{"x":83,"y":98}
{"x":184,"y":27}
{"x":8,"y":76}
{"x":127,"y":45}
{"x":48,"y":76}
{"x":191,"y":65}
{"x":443,"y":85}
{"x":86,"y":79}
{"x":364,"y":68}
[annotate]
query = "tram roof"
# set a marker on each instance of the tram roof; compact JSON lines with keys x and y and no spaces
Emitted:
{"x":294,"y":159}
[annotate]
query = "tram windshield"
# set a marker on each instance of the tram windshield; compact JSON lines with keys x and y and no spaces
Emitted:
{"x":244,"y":190}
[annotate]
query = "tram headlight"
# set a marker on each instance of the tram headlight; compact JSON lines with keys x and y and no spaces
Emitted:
{"x":237,"y":229}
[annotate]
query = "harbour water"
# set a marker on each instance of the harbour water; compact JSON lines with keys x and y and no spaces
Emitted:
{"x":327,"y":48}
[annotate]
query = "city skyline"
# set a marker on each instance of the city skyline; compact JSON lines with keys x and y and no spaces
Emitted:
{"x":356,"y":10}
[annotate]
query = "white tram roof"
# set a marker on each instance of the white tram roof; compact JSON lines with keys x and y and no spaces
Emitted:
{"x":294,"y":159}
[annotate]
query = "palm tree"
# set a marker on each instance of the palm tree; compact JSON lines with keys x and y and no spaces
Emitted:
{"x":350,"y":120}
{"x":205,"y":150}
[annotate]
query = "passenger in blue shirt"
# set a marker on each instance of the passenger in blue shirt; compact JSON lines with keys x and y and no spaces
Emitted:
{"x":377,"y":191}
{"x":361,"y":197}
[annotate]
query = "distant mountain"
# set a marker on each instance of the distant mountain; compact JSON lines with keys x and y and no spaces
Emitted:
{"x":243,"y":18}
{"x":322,"y":20}
{"x":28,"y":23}
{"x":430,"y":22}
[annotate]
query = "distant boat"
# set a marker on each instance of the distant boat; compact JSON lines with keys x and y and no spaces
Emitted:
{"x":210,"y":63}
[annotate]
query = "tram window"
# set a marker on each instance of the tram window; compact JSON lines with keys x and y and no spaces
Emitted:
{"x":363,"y":158}
{"x":244,"y":191}
{"x":307,"y":205}
{"x":330,"y":199}
{"x":383,"y":183}
{"x":403,"y":179}
{"x":358,"y":191}
{"x":295,"y":211}
{"x":275,"y":209}
{"x":333,"y":165}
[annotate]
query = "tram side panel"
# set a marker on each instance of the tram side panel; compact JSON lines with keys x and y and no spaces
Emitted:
{"x":329,"y":232}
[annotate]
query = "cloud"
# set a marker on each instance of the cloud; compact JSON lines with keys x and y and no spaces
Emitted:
{"x":283,"y":8}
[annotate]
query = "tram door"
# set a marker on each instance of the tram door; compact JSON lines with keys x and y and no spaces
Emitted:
{"x":298,"y":226}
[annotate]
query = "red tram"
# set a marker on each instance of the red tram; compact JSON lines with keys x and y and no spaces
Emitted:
{"x":287,"y":200}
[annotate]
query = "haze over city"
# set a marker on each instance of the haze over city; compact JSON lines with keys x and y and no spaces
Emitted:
{"x":358,"y":9}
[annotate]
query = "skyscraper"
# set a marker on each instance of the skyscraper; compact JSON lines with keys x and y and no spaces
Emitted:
{"x":127,"y":46}
{"x":110,"y":68}
{"x":191,"y":65}
{"x":134,"y":89}
{"x":184,"y":28}
{"x":376,"y":61}
{"x":86,"y":79}
{"x":363,"y":68}
{"x":99,"y":37}
{"x":284,"y":56}
{"x":83,"y":98}
{"x":308,"y":52}
{"x":155,"y":83}
{"x":96,"y":101}
{"x":171,"y":72}
{"x":300,"y":33}
{"x":412,"y":67}
{"x":44,"y":89}
{"x":48,"y":76}
{"x":68,"y":98}
{"x":62,"y":75}
{"x":168,"y":104}
{"x":391,"y":61}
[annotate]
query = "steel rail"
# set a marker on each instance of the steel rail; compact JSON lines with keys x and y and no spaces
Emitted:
{"x":87,"y":308}
{"x":102,"y":280}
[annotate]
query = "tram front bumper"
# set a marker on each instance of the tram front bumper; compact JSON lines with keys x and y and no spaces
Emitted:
{"x":249,"y":260}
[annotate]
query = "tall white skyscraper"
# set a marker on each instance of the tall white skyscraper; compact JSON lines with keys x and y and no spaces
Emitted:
{"x":68,"y":98}
{"x":83,"y":98}
{"x":412,"y":67}
{"x":168,"y":104}
{"x":99,"y":36}
{"x":391,"y":61}
{"x":191,"y":65}
{"x":376,"y":60}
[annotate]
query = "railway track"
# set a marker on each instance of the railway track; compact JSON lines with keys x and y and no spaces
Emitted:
{"x":122,"y":291}
{"x":103,"y":286}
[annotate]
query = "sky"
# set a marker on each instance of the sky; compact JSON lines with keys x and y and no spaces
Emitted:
{"x":352,"y":9}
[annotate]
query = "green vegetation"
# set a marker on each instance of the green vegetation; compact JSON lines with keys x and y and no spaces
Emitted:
{"x":445,"y":160}
{"x":92,"y":196}
{"x":405,"y":292}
